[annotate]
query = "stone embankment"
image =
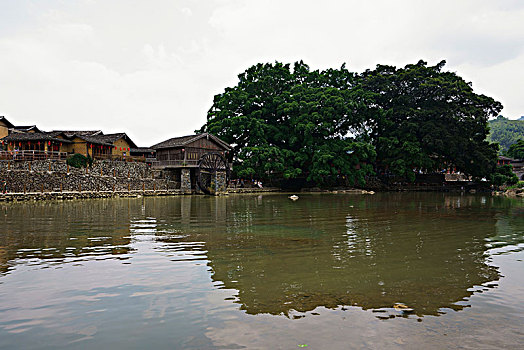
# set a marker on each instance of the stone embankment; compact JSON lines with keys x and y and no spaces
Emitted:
{"x":513,"y":192}
{"x":48,"y":176}
{"x":35,"y":196}
{"x":55,"y":180}
{"x":252,"y":189}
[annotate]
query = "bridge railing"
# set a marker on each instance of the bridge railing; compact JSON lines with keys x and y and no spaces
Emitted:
{"x":32,"y":155}
{"x":29,"y":155}
{"x":120,"y":157}
{"x":174,"y":163}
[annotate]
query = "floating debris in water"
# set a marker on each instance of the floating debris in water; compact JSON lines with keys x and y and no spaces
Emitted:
{"x":402,"y":307}
{"x":293,"y":197}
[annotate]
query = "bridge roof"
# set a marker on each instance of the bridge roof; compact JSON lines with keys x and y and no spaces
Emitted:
{"x":185,"y":140}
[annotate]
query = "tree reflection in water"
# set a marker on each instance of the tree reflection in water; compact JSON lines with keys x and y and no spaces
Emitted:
{"x":427,"y":251}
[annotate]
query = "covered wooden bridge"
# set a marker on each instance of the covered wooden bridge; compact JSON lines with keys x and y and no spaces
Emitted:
{"x":198,"y":161}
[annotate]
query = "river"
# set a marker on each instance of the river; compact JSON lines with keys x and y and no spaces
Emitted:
{"x":328,"y":271}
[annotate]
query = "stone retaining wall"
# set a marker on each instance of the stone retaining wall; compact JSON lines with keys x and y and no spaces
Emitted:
{"x":253,"y":189}
{"x":35,"y":176}
{"x":53,"y":179}
{"x":100,"y":167}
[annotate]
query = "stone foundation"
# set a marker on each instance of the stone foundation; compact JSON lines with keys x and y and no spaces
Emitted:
{"x":185,"y":180}
{"x":114,"y":176}
{"x":17,"y":197}
{"x":53,"y":179}
{"x":219,"y":181}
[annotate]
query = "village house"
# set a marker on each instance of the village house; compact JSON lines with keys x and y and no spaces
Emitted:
{"x":196,"y":162}
{"x":24,"y":142}
{"x":5,"y":125}
{"x":98,"y":145}
{"x":517,"y":165}
{"x":149,"y":154}
{"x":35,"y":141}
{"x":502,"y":160}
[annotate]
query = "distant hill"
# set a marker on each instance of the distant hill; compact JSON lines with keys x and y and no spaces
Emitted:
{"x":506,"y":132}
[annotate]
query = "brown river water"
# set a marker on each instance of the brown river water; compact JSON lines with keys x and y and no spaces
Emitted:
{"x":328,"y":271}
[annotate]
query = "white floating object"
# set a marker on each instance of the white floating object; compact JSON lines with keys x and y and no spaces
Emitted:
{"x":293,"y":197}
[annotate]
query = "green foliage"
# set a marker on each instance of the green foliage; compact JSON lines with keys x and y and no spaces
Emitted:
{"x":79,"y":161}
{"x":505,"y":132}
{"x":503,"y":175}
{"x":516,"y":150}
{"x":519,"y":184}
{"x":288,"y":122}
{"x":429,"y":119}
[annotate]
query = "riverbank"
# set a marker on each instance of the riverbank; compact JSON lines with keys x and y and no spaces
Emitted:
{"x":71,"y":195}
{"x":513,"y":192}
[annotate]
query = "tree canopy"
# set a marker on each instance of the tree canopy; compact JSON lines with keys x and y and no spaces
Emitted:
{"x":293,"y":122}
{"x":428,"y":119}
{"x":287,"y":121}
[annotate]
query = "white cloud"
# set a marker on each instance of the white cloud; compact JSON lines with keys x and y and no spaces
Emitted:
{"x":186,"y":11}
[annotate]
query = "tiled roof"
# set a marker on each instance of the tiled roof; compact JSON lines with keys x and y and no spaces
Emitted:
{"x":6,"y":122}
{"x":98,"y":138}
{"x":111,"y":138}
{"x":94,"y":140}
{"x":142,"y":150}
{"x":37,"y":136}
{"x":184,"y":140}
{"x":70,"y":133}
{"x":175,"y":142}
{"x":26,"y":128}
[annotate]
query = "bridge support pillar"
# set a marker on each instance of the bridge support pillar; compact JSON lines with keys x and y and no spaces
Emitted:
{"x":218,"y":182}
{"x":185,"y":180}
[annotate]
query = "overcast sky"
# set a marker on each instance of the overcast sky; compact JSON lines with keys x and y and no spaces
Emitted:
{"x":150,"y":68}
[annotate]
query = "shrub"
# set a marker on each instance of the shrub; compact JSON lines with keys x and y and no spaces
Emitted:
{"x":519,"y":184}
{"x":79,"y":161}
{"x":504,"y":175}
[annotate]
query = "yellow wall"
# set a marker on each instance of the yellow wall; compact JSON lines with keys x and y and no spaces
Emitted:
{"x":122,"y":143}
{"x":3,"y":130}
{"x":79,"y":146}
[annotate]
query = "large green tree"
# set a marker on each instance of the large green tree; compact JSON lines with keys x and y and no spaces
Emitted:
{"x":427,"y":119}
{"x":291,"y":122}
